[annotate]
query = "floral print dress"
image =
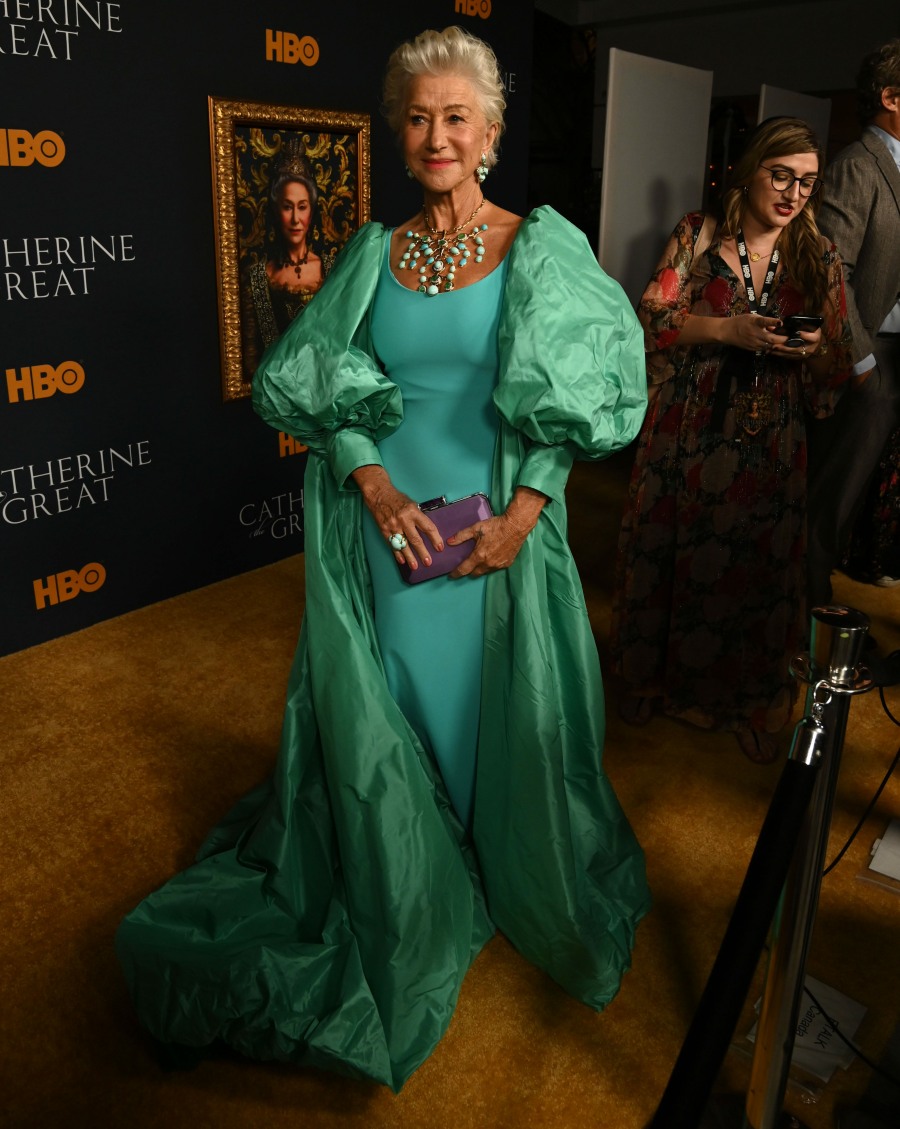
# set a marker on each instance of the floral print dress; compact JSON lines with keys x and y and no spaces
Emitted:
{"x":710,"y":606}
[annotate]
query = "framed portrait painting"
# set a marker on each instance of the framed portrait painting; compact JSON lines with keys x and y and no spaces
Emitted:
{"x":290,"y":186}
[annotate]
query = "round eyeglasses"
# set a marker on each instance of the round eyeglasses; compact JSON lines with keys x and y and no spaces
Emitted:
{"x":782,"y":180}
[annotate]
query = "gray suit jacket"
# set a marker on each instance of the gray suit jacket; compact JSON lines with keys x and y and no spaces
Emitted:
{"x":861,"y":213}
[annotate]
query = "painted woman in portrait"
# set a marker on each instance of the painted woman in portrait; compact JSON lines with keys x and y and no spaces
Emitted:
{"x":277,"y":287}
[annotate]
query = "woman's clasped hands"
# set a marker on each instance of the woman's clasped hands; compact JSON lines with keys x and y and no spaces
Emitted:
{"x":762,"y":334}
{"x":414,"y":537}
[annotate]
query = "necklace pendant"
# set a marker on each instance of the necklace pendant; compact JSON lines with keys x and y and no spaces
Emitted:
{"x":437,"y":255}
{"x":754,"y":257}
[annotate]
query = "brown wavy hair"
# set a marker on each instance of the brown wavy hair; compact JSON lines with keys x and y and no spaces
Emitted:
{"x":801,"y":241}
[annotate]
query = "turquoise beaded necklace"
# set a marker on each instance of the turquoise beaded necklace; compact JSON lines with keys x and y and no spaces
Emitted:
{"x":437,"y":255}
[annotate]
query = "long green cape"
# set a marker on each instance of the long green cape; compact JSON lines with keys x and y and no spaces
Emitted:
{"x":331,"y":918}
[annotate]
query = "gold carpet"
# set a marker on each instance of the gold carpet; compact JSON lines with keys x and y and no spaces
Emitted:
{"x":124,"y":743}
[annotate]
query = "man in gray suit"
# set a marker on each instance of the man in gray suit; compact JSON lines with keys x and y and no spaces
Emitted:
{"x":861,"y":213}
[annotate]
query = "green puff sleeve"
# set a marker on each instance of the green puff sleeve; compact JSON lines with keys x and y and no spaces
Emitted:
{"x":572,"y":377}
{"x":317,"y":382}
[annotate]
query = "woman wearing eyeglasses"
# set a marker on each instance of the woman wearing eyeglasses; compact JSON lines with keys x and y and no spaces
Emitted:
{"x":709,"y":605}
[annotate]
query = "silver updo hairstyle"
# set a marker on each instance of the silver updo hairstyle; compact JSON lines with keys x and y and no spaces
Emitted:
{"x":453,"y":51}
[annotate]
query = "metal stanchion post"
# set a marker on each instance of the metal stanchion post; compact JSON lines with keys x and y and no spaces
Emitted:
{"x":831,"y":672}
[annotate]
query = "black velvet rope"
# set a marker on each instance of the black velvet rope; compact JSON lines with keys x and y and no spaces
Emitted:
{"x":706,"y":1043}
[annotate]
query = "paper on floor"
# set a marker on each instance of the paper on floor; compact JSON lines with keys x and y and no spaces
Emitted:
{"x":817,"y":1048}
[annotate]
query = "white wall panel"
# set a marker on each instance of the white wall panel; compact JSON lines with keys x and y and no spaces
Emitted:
{"x":654,"y":159}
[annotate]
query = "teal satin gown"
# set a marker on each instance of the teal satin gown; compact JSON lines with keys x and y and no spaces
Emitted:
{"x":442,"y":354}
{"x":331,"y":917}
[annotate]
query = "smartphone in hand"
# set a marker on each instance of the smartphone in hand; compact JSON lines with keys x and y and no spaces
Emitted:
{"x":794,"y":323}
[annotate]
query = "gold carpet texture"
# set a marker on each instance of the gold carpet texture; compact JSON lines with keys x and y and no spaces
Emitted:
{"x":121,"y":746}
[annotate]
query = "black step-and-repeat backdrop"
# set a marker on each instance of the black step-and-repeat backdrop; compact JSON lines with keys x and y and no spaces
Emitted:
{"x":125,"y":476}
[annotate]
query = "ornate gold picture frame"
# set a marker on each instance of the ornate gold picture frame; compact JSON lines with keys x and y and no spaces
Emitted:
{"x":258,"y":150}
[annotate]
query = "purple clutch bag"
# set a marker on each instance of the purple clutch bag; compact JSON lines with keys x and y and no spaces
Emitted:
{"x":450,"y":518}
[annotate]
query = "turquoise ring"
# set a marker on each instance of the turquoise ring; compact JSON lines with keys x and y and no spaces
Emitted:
{"x":397,"y":541}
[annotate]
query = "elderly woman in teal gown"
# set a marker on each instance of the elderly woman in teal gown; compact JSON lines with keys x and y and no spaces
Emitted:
{"x":440,"y":774}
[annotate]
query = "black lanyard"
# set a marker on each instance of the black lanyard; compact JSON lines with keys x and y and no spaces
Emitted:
{"x":748,"y":278}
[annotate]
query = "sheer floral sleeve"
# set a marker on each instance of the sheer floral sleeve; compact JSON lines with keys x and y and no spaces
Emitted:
{"x":836,"y":337}
{"x":670,"y":298}
{"x":836,"y":330}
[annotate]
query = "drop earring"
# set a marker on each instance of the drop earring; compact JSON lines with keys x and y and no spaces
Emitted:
{"x":482,"y":170}
{"x":410,"y":173}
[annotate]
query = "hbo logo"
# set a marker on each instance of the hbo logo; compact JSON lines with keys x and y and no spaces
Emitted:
{"x":68,"y":584}
{"x":19,"y":147}
{"x":285,"y":47}
{"x":474,"y":8}
{"x":37,"y":382}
